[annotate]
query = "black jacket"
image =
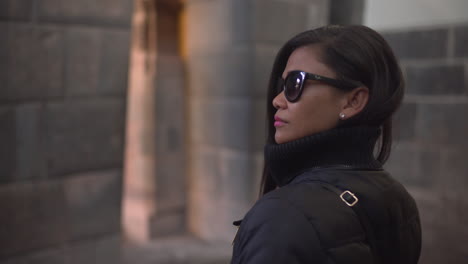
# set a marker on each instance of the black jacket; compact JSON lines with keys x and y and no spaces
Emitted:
{"x":306,"y":222}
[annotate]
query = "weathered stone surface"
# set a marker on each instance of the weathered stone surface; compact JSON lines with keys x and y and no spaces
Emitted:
{"x":222,"y":123}
{"x":203,"y":191}
{"x":4,"y":50}
{"x":77,"y":142}
{"x":403,"y":164}
{"x":33,"y":216}
{"x":436,"y":79}
{"x":442,"y":124}
{"x":101,"y":250}
{"x":454,"y":171}
{"x":461,"y":38}
{"x":263,"y":64}
{"x":277,"y":21}
{"x":318,"y":13}
{"x":30,"y":159}
{"x":405,"y":122}
{"x":429,"y":174}
{"x":171,"y":180}
{"x":104,"y":12}
{"x":345,"y":12}
{"x":212,"y":26}
{"x":419,"y":44}
{"x":83,"y":47}
{"x":114,"y":62}
{"x":168,"y":223}
{"x":220,"y":191}
{"x":8,"y":143}
{"x":54,"y":256}
{"x":34,"y":71}
{"x":93,"y":203}
{"x":258,"y":125}
{"x":223,"y":74}
{"x":22,"y":153}
{"x":16,"y":9}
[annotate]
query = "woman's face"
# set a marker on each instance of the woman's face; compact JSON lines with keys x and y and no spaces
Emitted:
{"x":319,"y":106}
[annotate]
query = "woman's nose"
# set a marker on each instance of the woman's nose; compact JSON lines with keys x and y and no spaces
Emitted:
{"x":279,"y":101}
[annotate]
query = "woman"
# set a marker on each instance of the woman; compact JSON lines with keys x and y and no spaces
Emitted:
{"x":326,"y":199}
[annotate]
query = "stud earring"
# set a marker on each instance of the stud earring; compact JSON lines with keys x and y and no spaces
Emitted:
{"x":342,"y":116}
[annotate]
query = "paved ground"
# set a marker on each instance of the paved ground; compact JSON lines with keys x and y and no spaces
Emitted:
{"x":177,"y":250}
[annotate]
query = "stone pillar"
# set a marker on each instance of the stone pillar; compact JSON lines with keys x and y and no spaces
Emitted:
{"x":139,"y":203}
{"x":154,"y":203}
{"x":230,"y":48}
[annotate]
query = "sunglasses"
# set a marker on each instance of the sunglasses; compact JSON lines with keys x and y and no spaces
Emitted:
{"x":294,"y":84}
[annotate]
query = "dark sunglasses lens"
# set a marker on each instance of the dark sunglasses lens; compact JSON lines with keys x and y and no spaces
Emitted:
{"x":292,"y":86}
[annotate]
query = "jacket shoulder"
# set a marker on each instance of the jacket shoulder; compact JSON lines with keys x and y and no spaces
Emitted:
{"x":304,"y":218}
{"x":274,"y":231}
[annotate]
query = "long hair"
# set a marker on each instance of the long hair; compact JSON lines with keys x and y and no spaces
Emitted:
{"x":354,"y":53}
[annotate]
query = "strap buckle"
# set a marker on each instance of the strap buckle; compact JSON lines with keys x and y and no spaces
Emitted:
{"x":349,"y":198}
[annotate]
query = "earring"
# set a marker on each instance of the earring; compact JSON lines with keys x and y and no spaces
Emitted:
{"x":342,"y":116}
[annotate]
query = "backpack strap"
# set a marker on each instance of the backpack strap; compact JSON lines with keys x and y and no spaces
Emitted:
{"x":351,"y":200}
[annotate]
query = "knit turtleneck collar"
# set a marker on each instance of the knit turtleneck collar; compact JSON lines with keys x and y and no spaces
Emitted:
{"x":350,"y":147}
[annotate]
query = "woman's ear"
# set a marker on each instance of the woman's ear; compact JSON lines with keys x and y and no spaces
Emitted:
{"x":354,"y":102}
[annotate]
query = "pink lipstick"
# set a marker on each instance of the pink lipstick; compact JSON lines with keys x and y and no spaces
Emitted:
{"x":279,"y":122}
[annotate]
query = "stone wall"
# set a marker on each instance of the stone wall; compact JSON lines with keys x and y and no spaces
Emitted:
{"x":429,"y":156}
{"x":63,"y":79}
{"x":230,"y":48}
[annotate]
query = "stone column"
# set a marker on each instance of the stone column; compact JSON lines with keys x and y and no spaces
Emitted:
{"x":139,"y":203}
{"x":230,"y":48}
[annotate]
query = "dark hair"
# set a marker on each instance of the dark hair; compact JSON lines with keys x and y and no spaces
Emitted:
{"x":354,"y":53}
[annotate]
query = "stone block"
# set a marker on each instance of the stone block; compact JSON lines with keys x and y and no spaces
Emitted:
{"x":454,"y":171}
{"x":345,"y":12}
{"x":461,"y":38}
{"x":34,"y":62}
{"x":16,"y":9}
{"x":263,"y":64}
{"x":236,"y":115}
{"x":414,"y":44}
{"x":168,"y":223}
{"x":114,"y":61}
{"x":93,"y":203}
{"x":223,"y":74}
{"x":8,"y":143}
{"x":22,"y":152}
{"x":101,"y":250}
{"x":405,"y":122}
{"x":429,"y":173}
{"x":236,"y":181}
{"x":30,"y":159}
{"x":277,"y":21}
{"x":215,"y":26}
{"x":318,"y":13}
{"x":442,"y":124}
{"x":436,"y":80}
{"x":403,"y":165}
{"x":220,"y":191}
{"x":84,"y":135}
{"x":105,"y":12}
{"x":171,"y":179}
{"x":4,"y":50}
{"x":258,"y":126}
{"x":33,"y":216}
{"x":83,"y":48}
{"x":221,"y":122}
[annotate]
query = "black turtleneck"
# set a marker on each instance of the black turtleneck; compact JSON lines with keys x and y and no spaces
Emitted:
{"x":350,"y":147}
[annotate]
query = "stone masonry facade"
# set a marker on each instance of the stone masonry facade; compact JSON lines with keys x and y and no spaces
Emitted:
{"x":429,"y":155}
{"x":63,"y":80}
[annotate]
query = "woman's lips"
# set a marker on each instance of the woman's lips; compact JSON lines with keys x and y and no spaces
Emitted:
{"x":279,"y":122}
